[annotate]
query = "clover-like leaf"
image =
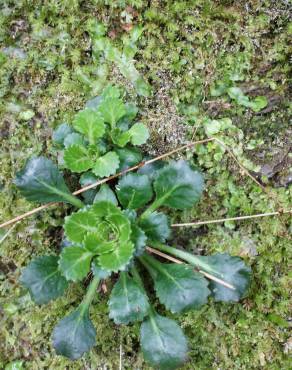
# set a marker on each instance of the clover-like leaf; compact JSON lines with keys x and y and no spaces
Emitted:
{"x":90,"y":123}
{"x":41,"y":181}
{"x":74,"y":334}
{"x":73,"y":139}
{"x":112,"y":109}
{"x":78,"y":224}
{"x":43,"y":279}
{"x":105,"y":193}
{"x":139,"y":134}
{"x":134,"y":190}
{"x":74,"y":262}
{"x":163,"y":342}
{"x":178,"y":185}
{"x":60,"y":134}
{"x":106,"y":165}
{"x":178,"y":287}
{"x":128,"y":302}
{"x":118,"y":258}
{"x":128,"y":157}
{"x":77,"y":158}
{"x":232,"y":270}
{"x":156,"y":226}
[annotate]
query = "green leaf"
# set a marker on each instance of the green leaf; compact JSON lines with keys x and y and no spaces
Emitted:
{"x":73,"y":139}
{"x":139,"y":134}
{"x":156,"y":226}
{"x":120,"y":137}
{"x":43,"y":279}
{"x":98,"y":271}
{"x":106,"y":165}
{"x":78,"y":224}
{"x":105,"y":193}
{"x":151,"y":169}
{"x":41,"y":181}
{"x":74,"y":262}
{"x":128,"y":302}
{"x":178,"y":185}
{"x":89,"y":123}
{"x":128,"y":157}
{"x":134,"y":190}
{"x":118,"y":258}
{"x":61,"y":132}
{"x":232,"y":270}
{"x":77,"y":159}
{"x":259,"y":103}
{"x":163,"y":342}
{"x":110,"y":91}
{"x":112,"y":109}
{"x":74,"y":334}
{"x":139,"y":238}
{"x":178,"y":287}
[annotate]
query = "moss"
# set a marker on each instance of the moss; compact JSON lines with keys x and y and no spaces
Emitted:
{"x":187,"y":48}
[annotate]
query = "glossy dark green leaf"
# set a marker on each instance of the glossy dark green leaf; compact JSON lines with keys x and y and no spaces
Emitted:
{"x":128,"y":157}
{"x":151,"y":169}
{"x":105,"y":193}
{"x":231,"y":269}
{"x":74,"y":262}
{"x":88,"y":178}
{"x":128,"y":302}
{"x":77,"y":158}
{"x":163,"y":343}
{"x":60,"y":133}
{"x":178,"y":185}
{"x":74,"y":139}
{"x":43,"y":279}
{"x":41,"y":181}
{"x":89,"y":123}
{"x":134,"y":190}
{"x":74,"y":334}
{"x":179,"y":287}
{"x":106,"y":165}
{"x":156,"y":226}
{"x":139,"y":239}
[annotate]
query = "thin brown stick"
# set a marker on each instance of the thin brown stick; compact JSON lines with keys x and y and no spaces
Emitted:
{"x":175,"y":260}
{"x":197,"y":223}
{"x":91,"y":186}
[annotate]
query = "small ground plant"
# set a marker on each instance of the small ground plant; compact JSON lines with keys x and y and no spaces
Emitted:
{"x":110,"y":238}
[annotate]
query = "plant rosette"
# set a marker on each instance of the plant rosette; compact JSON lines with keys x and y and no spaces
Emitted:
{"x":110,"y":236}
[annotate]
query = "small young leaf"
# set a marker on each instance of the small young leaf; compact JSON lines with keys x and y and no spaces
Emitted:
{"x":78,"y":224}
{"x":120,"y":137}
{"x":179,"y":287}
{"x":156,"y":227}
{"x":259,"y":103}
{"x":74,"y":263}
{"x":106,"y":165}
{"x":74,"y":334}
{"x":112,"y":109}
{"x":105,"y":193}
{"x":232,"y":270}
{"x":73,"y":139}
{"x":178,"y":185}
{"x":134,"y":190}
{"x":41,"y":181}
{"x":89,"y":123}
{"x":43,"y":279}
{"x":139,"y":134}
{"x":61,"y":132}
{"x":128,"y":157}
{"x":163,"y":342}
{"x":118,"y":258}
{"x":128,"y":302}
{"x":77,"y":159}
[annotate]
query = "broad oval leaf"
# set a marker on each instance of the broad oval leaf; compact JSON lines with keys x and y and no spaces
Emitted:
{"x":60,"y":133}
{"x":106,"y":165}
{"x":128,"y":157}
{"x":139,"y":134}
{"x":156,"y":227}
{"x":134,"y":190}
{"x":128,"y":302}
{"x":232,"y":270}
{"x":78,"y":224}
{"x":105,"y":193}
{"x":77,"y":158}
{"x":89,"y":123}
{"x":74,"y":334}
{"x":43,"y":279}
{"x":179,"y":287}
{"x":178,"y":185}
{"x":112,"y":109}
{"x":74,"y":262}
{"x":73,"y":139}
{"x":41,"y":181}
{"x":163,"y":342}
